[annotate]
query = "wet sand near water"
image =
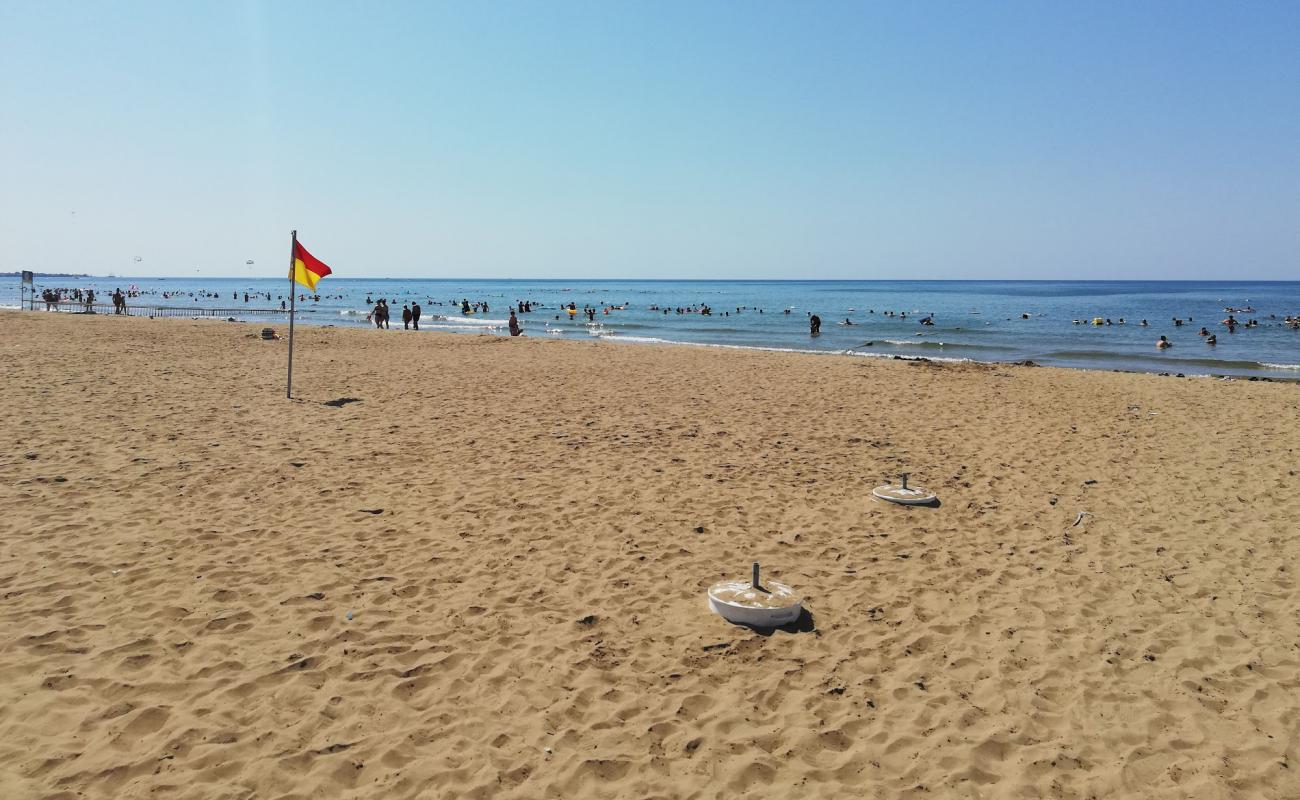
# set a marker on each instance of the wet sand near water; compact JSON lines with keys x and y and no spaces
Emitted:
{"x":485,"y":575}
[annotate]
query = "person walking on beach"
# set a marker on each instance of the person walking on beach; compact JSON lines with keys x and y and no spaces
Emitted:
{"x":814,"y":325}
{"x":406,"y":317}
{"x":515,"y":330}
{"x":415,"y":316}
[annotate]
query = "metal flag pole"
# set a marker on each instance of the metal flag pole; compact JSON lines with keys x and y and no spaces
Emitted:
{"x":293,"y":252}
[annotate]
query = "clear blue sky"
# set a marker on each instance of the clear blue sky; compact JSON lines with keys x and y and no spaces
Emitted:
{"x":617,"y":139}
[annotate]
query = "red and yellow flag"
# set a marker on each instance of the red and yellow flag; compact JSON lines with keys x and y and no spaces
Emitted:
{"x":307,"y":270}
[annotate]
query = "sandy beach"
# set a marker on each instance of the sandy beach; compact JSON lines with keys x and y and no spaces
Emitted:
{"x":485,"y":576}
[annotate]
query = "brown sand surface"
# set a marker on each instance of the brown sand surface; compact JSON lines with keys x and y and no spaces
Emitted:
{"x":524,"y":530}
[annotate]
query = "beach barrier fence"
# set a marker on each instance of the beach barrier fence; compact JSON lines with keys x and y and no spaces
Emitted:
{"x":149,"y":310}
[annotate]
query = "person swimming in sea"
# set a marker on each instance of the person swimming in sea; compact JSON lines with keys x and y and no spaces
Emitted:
{"x":1163,"y":343}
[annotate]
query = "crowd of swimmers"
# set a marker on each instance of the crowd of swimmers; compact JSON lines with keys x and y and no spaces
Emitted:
{"x":302,"y":298}
{"x":703,"y":310}
{"x":412,"y":312}
{"x":1210,"y":338}
{"x":85,"y":298}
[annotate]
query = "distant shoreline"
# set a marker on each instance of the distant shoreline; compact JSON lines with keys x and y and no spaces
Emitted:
{"x":19,"y":274}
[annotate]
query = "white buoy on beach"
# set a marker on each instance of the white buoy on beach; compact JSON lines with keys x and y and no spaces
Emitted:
{"x":768,"y":604}
{"x":904,"y":494}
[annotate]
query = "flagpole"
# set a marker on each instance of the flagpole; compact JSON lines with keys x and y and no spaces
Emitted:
{"x":293,"y":252}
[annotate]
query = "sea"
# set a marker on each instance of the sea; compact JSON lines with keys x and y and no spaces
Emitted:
{"x":1046,"y":322}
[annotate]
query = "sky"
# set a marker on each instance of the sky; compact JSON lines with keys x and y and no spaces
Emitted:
{"x":1034,"y":140}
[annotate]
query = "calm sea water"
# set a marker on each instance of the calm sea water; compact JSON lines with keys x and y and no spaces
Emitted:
{"x":975,"y":320}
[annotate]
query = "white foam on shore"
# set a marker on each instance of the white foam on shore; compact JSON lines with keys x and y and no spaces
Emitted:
{"x":613,"y":337}
{"x":635,"y":339}
{"x":1266,"y":365}
{"x":472,"y":321}
{"x":453,"y":326}
{"x":944,"y":359}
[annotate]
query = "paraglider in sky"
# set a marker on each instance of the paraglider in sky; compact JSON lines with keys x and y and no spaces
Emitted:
{"x":249,"y":261}
{"x":137,"y":258}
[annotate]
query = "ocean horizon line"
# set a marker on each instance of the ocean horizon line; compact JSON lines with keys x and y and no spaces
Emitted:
{"x":338,"y":278}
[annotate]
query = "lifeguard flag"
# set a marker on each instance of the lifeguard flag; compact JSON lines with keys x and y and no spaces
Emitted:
{"x":307,"y":269}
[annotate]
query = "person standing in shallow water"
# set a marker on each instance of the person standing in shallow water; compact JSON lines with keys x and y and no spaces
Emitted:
{"x":814,"y":325}
{"x":406,"y":317}
{"x":515,"y":330}
{"x":415,"y":316}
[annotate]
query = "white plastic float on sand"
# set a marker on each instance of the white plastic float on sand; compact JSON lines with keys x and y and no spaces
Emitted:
{"x":763,"y":605}
{"x":904,"y":494}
